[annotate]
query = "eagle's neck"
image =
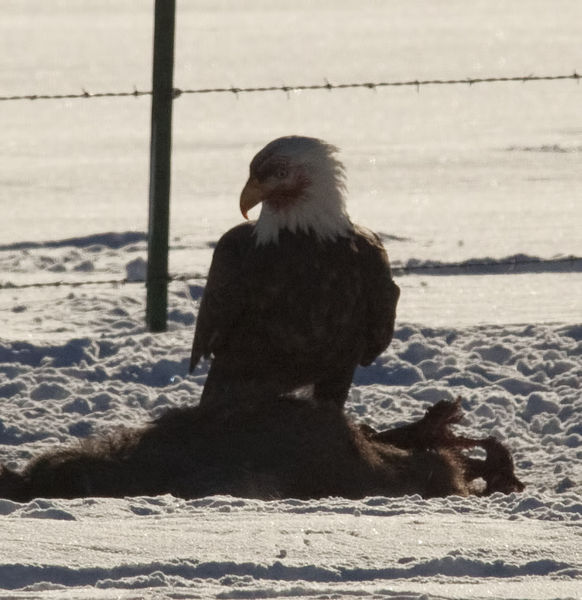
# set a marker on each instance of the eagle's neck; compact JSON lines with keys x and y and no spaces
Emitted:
{"x":320,"y":211}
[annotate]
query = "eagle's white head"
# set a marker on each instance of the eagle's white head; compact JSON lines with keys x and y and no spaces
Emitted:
{"x":301,"y":185}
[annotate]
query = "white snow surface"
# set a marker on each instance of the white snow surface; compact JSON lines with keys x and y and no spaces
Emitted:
{"x":445,"y":174}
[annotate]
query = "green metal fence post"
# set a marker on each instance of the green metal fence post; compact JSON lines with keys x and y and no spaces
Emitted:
{"x":160,"y":165}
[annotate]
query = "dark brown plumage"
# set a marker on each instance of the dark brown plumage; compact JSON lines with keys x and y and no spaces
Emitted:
{"x":300,"y":297}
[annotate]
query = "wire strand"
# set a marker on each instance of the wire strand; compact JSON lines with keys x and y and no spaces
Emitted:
{"x":472,"y":267}
{"x":287,"y":89}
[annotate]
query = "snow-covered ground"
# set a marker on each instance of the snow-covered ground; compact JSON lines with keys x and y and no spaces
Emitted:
{"x":445,"y":174}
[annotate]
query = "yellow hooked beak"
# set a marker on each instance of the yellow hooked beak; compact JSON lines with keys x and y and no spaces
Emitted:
{"x":251,"y":195}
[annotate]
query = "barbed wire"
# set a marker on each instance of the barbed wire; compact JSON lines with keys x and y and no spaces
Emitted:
{"x":287,"y":89}
{"x":112,"y":282}
{"x":509,"y":266}
{"x":478,"y":267}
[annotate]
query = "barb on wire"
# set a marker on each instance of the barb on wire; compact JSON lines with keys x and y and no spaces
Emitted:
{"x":327,"y":85}
{"x":510,"y":266}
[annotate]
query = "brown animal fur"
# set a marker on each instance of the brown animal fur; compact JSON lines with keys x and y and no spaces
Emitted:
{"x":268,"y":449}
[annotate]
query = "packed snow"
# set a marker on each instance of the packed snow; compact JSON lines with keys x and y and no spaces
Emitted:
{"x":476,"y":194}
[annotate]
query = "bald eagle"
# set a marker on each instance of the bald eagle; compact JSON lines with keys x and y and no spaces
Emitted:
{"x":300,"y":297}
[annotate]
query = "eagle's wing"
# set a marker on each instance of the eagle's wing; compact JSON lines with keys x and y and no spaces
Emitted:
{"x":223,"y":300}
{"x":381,"y":297}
